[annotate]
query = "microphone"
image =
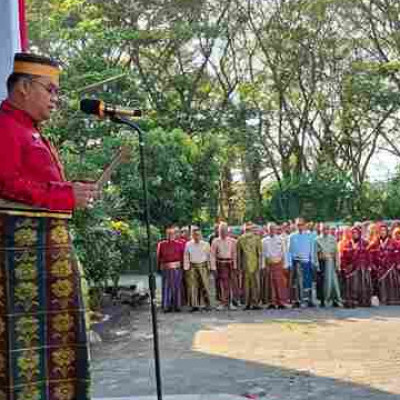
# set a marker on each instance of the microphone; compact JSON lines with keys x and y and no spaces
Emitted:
{"x":102,"y":110}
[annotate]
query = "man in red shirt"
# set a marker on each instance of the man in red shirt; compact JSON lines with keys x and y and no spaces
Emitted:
{"x":30,"y":170}
{"x":169,"y":260}
{"x":43,"y":343}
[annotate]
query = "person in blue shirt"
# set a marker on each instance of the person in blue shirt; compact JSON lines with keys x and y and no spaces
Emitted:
{"x":302,"y":249}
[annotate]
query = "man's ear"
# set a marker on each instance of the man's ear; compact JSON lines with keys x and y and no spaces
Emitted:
{"x":23,"y":87}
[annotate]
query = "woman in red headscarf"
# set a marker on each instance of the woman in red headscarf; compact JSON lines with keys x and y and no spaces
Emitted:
{"x":356,"y":272}
{"x":396,"y":239}
{"x":344,"y":240}
{"x":388,"y":278}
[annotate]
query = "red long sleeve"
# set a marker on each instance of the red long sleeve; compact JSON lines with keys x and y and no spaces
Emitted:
{"x":29,"y":172}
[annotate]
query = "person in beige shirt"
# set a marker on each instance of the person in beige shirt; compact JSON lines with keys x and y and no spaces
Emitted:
{"x":196,"y":264}
{"x":224,"y":261}
{"x":274,"y":284}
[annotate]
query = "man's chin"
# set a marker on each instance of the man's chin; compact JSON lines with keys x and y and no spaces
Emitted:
{"x":45,"y":116}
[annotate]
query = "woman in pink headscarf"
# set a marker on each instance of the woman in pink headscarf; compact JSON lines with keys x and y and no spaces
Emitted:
{"x":373,"y":238}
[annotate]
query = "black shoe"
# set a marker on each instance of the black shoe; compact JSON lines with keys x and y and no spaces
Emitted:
{"x":322,"y":305}
{"x":271,"y":307}
{"x":194,"y":309}
{"x":310,"y":304}
{"x":296,"y":304}
{"x":247,"y":308}
{"x":282,"y":307}
{"x":336,"y":304}
{"x":177,"y":309}
{"x":256,"y":308}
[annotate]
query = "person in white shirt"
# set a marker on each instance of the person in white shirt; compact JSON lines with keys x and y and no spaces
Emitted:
{"x":274,"y":288}
{"x":196,"y":264}
{"x":224,"y":261}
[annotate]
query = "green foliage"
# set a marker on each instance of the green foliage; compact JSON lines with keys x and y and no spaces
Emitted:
{"x":181,"y":171}
{"x":275,"y":90}
{"x":323,"y":195}
{"x":390,"y":196}
{"x":108,"y":245}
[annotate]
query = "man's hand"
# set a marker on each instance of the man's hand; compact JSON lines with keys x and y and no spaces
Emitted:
{"x":85,"y":194}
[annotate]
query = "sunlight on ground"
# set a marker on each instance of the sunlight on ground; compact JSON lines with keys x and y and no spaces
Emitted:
{"x":366,"y":352}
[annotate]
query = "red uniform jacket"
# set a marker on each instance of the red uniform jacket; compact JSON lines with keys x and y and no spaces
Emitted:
{"x":387,"y":255}
{"x":30,"y":171}
{"x":355,"y":256}
{"x":169,"y":251}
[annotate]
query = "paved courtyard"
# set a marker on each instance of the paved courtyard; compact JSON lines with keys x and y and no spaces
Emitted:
{"x":293,"y":354}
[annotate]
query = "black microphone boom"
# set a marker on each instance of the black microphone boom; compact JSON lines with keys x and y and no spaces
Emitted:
{"x":101,"y":109}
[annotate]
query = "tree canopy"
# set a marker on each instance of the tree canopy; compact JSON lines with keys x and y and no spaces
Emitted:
{"x":256,"y":108}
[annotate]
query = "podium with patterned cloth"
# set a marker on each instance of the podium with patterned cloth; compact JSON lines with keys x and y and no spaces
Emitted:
{"x":43,"y":343}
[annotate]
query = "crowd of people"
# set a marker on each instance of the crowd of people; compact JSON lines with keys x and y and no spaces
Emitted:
{"x":296,"y":264}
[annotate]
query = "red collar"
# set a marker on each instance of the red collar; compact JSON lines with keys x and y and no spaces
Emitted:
{"x":20,"y":115}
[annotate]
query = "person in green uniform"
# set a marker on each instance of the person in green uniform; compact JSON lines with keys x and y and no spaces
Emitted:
{"x":249,"y":250}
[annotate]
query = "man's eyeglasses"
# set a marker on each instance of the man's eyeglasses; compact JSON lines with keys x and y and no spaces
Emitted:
{"x":50,"y":88}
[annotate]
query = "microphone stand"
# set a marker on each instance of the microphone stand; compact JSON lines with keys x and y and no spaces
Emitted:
{"x":150,"y":265}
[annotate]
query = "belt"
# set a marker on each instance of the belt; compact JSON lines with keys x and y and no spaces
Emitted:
{"x":274,"y":260}
{"x":224,"y":260}
{"x":328,"y":256}
{"x":171,"y":265}
{"x":198,"y":265}
{"x":25,"y":210}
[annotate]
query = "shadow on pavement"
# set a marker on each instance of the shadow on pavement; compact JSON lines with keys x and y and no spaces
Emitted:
{"x":213,"y":375}
{"x":125,"y":368}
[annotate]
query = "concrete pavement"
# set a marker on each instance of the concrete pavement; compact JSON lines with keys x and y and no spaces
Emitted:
{"x":314,"y":354}
{"x":181,"y":397}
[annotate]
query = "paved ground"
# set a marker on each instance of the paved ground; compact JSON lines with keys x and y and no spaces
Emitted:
{"x":182,"y":397}
{"x":293,"y":354}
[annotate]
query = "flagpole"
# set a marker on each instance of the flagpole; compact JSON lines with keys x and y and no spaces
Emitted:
{"x":23,"y":26}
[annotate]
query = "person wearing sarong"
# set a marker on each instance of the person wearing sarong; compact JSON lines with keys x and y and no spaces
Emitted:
{"x":177,"y":233}
{"x":328,"y":263}
{"x":43,"y":340}
{"x":224,"y":262}
{"x":197,"y":271}
{"x":274,"y":291}
{"x":214,"y":234}
{"x":249,"y":254}
{"x":344,"y":240}
{"x":184,"y":235}
{"x":214,"y":291}
{"x":302,"y":249}
{"x":169,"y":261}
{"x":372,"y":237}
{"x":396,"y":236}
{"x":285,"y":235}
{"x":395,"y":225}
{"x":356,"y":272}
{"x":237,"y":276}
{"x":184,"y":238}
{"x":388,"y":277}
{"x":396,"y":241}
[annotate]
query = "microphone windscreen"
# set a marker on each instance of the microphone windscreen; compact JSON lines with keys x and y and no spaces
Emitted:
{"x":90,"y":106}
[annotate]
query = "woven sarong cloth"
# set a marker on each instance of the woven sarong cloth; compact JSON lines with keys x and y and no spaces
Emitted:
{"x":198,"y":285}
{"x":43,"y":343}
{"x":172,"y":288}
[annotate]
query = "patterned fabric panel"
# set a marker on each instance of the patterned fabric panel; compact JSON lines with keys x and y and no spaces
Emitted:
{"x":43,"y":348}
